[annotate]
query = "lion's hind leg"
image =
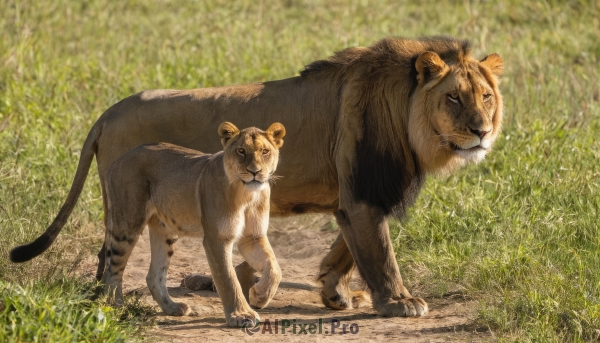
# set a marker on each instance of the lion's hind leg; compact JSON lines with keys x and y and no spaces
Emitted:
{"x":162,"y":241}
{"x":260,"y":256}
{"x":246,"y":277}
{"x":335,"y":274}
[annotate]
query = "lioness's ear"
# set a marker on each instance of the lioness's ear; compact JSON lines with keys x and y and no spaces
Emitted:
{"x":430,"y":66}
{"x":494,"y":63}
{"x":227,"y":131}
{"x":277,"y":131}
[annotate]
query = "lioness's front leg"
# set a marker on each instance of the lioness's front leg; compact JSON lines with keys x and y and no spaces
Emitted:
{"x":260,"y":256}
{"x":219,"y":255}
{"x":366,"y":233}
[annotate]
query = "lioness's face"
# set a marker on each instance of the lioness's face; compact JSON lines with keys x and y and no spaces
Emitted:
{"x":461,"y":112}
{"x":251,"y":155}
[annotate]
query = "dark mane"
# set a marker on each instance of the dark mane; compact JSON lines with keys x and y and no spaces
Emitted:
{"x":339,"y":60}
{"x":382,"y":178}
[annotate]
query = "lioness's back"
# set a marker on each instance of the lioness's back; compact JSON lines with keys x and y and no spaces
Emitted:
{"x":158,"y":176}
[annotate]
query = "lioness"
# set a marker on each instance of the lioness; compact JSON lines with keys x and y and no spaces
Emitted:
{"x":365,"y":126}
{"x":181,"y":192}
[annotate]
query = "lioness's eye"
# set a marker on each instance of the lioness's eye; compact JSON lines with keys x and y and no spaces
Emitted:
{"x":241,"y":151}
{"x":487,"y":96}
{"x":265,"y":151}
{"x":453,"y":97}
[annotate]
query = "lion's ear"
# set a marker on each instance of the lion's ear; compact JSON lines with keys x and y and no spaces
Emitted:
{"x":227,"y":131}
{"x":277,"y":131}
{"x":430,"y":67}
{"x":494,"y":63}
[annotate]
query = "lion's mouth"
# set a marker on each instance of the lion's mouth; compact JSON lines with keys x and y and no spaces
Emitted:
{"x":473,"y":149}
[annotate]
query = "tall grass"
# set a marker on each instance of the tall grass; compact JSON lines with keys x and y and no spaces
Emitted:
{"x":518,"y":232}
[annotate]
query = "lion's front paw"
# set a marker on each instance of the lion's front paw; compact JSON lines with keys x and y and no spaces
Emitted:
{"x":408,"y":307}
{"x":177,"y":309}
{"x":242,"y":317}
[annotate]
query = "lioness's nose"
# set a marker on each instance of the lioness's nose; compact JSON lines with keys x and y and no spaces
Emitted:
{"x":479,"y":133}
{"x":253,"y":172}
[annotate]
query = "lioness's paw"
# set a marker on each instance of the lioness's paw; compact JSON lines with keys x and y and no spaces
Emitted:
{"x":257,"y":299}
{"x":409,"y":307}
{"x":177,"y":309}
{"x":239,"y":318}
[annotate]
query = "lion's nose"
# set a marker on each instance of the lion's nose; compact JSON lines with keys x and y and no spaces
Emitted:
{"x":479,"y":133}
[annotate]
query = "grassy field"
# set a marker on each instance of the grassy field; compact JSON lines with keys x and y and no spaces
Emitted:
{"x":518,"y":232}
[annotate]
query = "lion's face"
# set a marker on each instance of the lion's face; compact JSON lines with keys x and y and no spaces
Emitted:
{"x":251,"y":155}
{"x":458,"y":111}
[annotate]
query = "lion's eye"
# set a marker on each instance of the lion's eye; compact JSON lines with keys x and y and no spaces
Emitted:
{"x":453,"y":97}
{"x":241,"y":151}
{"x":487,"y":96}
{"x":265,"y":151}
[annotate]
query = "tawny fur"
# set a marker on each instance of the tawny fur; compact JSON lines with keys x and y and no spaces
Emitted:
{"x":177,"y":192}
{"x":365,"y":127}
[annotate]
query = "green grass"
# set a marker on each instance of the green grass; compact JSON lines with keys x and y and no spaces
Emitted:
{"x":61,"y":311}
{"x":517,"y":232}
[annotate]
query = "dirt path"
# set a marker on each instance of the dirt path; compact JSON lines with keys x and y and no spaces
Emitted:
{"x":299,"y":243}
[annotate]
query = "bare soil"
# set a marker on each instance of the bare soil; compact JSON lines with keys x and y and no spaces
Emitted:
{"x":299,"y":244}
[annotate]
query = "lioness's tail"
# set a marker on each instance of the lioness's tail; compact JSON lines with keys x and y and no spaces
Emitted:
{"x":28,"y":251}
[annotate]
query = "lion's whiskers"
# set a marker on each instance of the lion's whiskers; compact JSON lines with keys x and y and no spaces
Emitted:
{"x":447,"y":135}
{"x":445,"y":140}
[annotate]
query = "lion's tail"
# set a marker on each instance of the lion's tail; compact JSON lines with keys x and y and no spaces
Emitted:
{"x":28,"y":251}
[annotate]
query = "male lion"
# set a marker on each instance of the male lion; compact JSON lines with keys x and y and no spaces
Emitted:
{"x":181,"y":192}
{"x":365,"y":127}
